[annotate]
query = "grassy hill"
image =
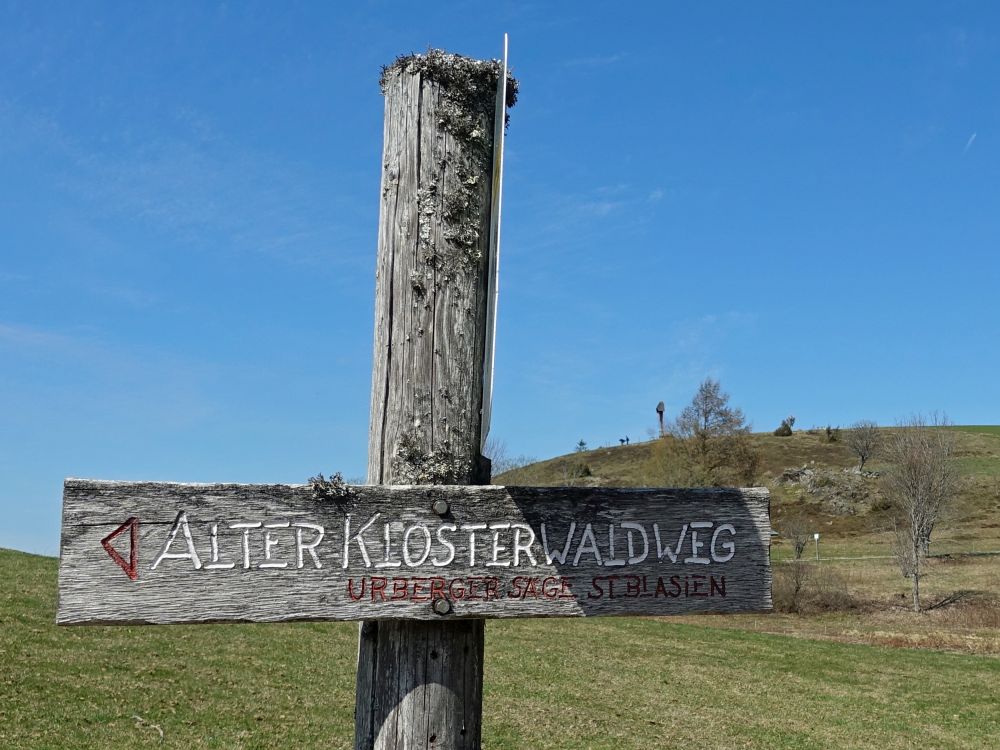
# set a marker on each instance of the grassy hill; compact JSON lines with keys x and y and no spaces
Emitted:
{"x":597,"y":683}
{"x":975,"y":517}
{"x":855,"y":592}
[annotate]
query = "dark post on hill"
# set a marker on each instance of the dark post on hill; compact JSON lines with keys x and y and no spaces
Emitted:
{"x":427,"y":549}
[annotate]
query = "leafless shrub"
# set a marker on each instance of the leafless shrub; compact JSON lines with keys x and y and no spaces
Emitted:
{"x":803,"y":587}
{"x":974,"y":615}
{"x":786,"y":588}
{"x":920,"y":484}
{"x":828,"y":592}
{"x":796,"y":529}
{"x":501,"y":461}
{"x":864,"y":439}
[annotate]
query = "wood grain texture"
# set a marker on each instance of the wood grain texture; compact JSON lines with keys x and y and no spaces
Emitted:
{"x":430,"y":308}
{"x":427,"y":376}
{"x":496,"y":552}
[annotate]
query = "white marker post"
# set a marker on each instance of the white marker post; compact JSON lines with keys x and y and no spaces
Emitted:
{"x":493,"y":289}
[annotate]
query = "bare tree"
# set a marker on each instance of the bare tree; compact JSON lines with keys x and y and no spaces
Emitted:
{"x":920,"y":484}
{"x":716,"y":436}
{"x":789,"y":585}
{"x":796,"y":530}
{"x":709,"y":415}
{"x":864,"y":439}
{"x":501,"y":461}
{"x":496,"y":451}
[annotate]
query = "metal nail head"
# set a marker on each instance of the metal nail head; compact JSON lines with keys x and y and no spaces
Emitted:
{"x":442,"y":606}
{"x":440,"y":507}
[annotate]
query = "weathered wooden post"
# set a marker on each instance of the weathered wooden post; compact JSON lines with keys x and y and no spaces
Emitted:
{"x":427,"y":381}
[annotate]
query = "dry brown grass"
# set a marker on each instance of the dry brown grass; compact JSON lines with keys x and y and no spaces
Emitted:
{"x":867,"y":602}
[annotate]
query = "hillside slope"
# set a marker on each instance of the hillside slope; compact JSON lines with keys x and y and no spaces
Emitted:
{"x":830,"y":495}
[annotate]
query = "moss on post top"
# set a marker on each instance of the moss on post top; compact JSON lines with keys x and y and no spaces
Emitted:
{"x":475,"y":81}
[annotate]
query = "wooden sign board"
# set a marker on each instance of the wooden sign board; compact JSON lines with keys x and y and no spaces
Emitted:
{"x":169,"y":553}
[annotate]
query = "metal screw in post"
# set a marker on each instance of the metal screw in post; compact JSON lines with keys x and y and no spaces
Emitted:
{"x":442,"y":606}
{"x":440,"y":507}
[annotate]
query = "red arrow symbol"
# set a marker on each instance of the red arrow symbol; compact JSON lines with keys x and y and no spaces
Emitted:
{"x":131,"y":567}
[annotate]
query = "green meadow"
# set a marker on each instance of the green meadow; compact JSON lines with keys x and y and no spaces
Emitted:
{"x":850,"y":668}
{"x":598,"y":683}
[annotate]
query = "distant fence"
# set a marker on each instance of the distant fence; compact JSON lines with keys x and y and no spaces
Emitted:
{"x":936,"y":555}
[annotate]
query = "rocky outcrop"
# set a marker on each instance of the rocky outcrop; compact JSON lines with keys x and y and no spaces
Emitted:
{"x":841,"y":491}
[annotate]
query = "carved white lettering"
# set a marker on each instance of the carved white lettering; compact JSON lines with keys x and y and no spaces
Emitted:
{"x":411,"y":562}
{"x":630,"y":526}
{"x":561,"y":557}
{"x":591,"y":546}
{"x":509,"y":544}
{"x":472,"y":528}
{"x":213,"y":536}
{"x":388,"y":561}
{"x":729,"y":546}
{"x":301,"y":547}
{"x":269,"y":543}
{"x":671,"y":553}
{"x":524,"y":547}
{"x":445,"y":542}
{"x":497,"y":548}
{"x":357,"y":538}
{"x":696,"y":545}
{"x":611,"y":560}
{"x":180,"y":524}
{"x":246,"y":526}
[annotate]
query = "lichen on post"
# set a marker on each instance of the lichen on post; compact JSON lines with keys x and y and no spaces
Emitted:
{"x":432,"y":265}
{"x":427,"y":377}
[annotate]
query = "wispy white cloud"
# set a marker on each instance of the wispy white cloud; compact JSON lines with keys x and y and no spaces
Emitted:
{"x":599,"y":202}
{"x":960,"y":46}
{"x":206,"y":195}
{"x":596,"y":61}
{"x":87,"y":374}
{"x":618,"y":188}
{"x":26,"y":337}
{"x":599,"y":208}
{"x":201,"y":188}
{"x":701,"y":336}
{"x":655,"y":196}
{"x":133,"y":297}
{"x":968,"y":143}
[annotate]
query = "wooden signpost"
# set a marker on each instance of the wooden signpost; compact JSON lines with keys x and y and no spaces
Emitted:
{"x":136,"y":553}
{"x":428,"y":548}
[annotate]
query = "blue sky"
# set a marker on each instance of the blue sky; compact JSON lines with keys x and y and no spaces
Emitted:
{"x":799,"y":199}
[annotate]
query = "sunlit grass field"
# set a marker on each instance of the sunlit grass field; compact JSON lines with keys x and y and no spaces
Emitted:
{"x":865,"y":674}
{"x":598,"y":683}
